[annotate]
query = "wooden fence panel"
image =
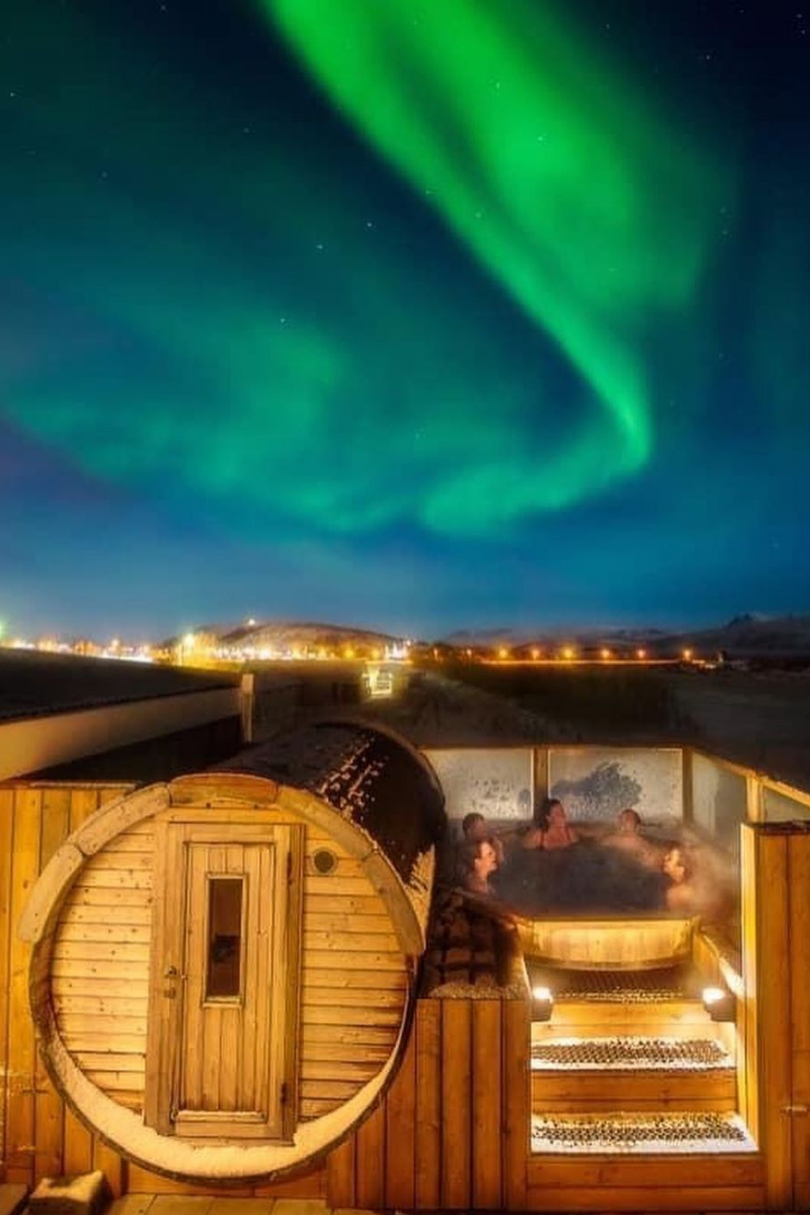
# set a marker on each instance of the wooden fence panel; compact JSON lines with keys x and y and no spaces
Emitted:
{"x":487,"y":1118}
{"x":6,"y":852}
{"x":773,"y":1013}
{"x":370,"y":1161}
{"x":340,"y":1175}
{"x":799,"y":873}
{"x":428,"y":1028}
{"x":49,"y":1112}
{"x":456,"y":1088}
{"x":20,"y":1106}
{"x":516,"y":1079}
{"x":400,"y":1161}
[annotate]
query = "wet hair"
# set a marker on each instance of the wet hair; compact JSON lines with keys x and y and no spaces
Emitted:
{"x":542,"y":812}
{"x":634,"y":813}
{"x":470,"y":820}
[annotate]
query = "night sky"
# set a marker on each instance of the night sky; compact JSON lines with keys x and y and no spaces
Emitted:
{"x":416,"y":314}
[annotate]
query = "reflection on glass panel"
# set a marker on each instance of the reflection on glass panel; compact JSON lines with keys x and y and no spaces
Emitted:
{"x":223,"y":978}
{"x":596,"y":783}
{"x":718,"y":802}
{"x":496,"y":783}
{"x":778,"y":808}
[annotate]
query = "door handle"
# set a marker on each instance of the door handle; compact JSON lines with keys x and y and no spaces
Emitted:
{"x":170,"y":972}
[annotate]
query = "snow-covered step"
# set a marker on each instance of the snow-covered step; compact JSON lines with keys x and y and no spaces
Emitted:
{"x":589,"y":1075}
{"x":634,"y":1133}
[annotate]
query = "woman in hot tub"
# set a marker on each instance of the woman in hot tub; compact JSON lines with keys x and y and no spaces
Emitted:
{"x":550,"y":830}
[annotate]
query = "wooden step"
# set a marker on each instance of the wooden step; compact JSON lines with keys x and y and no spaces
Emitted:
{"x":650,"y":1019}
{"x":653,"y":1003}
{"x":575,"y":1075}
{"x":645,"y":1181}
{"x":629,"y":1054}
{"x":623,"y":1132}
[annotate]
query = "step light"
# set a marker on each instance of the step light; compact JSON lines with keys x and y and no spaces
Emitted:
{"x":719,"y":1003}
{"x":542,"y":1003}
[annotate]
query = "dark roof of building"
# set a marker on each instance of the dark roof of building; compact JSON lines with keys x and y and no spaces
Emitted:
{"x":374,"y":778}
{"x":34,"y":684}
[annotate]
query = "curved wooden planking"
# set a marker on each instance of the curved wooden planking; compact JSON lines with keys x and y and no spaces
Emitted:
{"x":97,"y":889}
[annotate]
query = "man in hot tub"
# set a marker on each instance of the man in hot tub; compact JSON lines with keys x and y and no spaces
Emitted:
{"x":628,"y":838}
{"x":680,"y":895}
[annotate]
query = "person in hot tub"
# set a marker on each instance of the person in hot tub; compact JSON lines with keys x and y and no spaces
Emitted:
{"x":680,"y":895}
{"x":550,"y":830}
{"x":479,"y":861}
{"x":474,"y":828}
{"x":628,"y":838}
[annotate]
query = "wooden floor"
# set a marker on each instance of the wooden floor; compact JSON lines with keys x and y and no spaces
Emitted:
{"x":170,"y":1204}
{"x":182,"y":1204}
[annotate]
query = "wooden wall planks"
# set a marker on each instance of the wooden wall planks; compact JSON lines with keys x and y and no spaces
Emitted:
{"x":436,"y":1141}
{"x":38,"y":1137}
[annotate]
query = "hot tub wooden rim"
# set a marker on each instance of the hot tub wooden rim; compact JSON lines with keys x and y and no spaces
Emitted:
{"x":673,"y":948}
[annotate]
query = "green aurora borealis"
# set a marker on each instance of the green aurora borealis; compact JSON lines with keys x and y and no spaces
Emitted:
{"x":584,"y":208}
{"x":342,"y":303}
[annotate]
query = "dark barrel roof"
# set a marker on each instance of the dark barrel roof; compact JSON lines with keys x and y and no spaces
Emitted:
{"x":371,"y":777}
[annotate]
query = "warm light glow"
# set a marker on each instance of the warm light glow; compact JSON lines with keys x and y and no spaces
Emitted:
{"x":503,"y":653}
{"x":605,"y":653}
{"x":188,"y":641}
{"x":535,"y":653}
{"x":542,"y":1003}
{"x":349,"y":651}
{"x":719,"y":1003}
{"x":568,"y":652}
{"x":687,"y":655}
{"x":641,"y":653}
{"x":251,"y":623}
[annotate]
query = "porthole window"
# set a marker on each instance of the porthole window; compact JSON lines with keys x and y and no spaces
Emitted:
{"x":324,"y":861}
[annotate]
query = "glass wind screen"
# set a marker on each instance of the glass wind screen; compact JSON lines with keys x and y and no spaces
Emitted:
{"x":781,"y":808}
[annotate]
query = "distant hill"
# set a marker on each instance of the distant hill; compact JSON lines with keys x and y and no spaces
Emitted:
{"x":285,"y":636}
{"x":753,"y":636}
{"x":549,"y":637}
{"x":747,"y":635}
{"x":289,"y":633}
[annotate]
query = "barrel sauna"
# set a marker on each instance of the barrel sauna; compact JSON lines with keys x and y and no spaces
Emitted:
{"x":222,"y":966}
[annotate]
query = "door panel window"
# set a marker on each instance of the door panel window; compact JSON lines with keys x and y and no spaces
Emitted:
{"x":223,"y":979}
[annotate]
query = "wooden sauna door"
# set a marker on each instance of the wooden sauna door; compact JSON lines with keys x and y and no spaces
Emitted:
{"x":226,"y":987}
